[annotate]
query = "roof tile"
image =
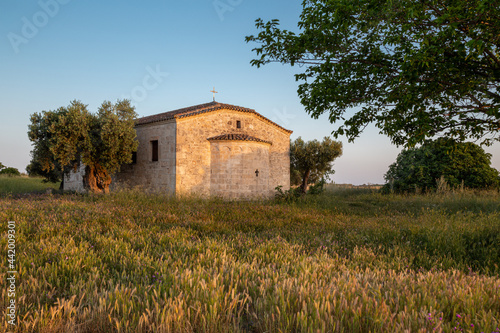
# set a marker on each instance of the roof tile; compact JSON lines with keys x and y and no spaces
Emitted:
{"x":237,"y":137}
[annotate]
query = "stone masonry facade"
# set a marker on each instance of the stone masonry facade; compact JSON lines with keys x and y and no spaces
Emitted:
{"x":194,"y":152}
{"x":211,"y":149}
{"x":148,"y":174}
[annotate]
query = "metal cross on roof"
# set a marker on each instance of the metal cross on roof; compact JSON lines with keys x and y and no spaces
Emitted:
{"x":215,"y":92}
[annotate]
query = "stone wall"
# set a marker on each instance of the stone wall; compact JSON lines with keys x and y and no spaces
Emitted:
{"x":233,"y":169}
{"x":193,"y":163}
{"x":146,"y":173}
{"x":73,"y":181}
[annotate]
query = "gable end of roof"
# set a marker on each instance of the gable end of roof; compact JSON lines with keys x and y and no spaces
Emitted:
{"x":198,"y":110}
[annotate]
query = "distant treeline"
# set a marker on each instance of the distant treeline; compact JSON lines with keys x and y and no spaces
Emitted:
{"x":342,"y":186}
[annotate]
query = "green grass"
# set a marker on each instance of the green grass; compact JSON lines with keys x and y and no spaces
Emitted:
{"x":343,"y":261}
{"x":20,"y":184}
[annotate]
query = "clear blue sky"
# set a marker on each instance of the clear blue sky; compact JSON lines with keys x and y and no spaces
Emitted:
{"x":55,"y":51}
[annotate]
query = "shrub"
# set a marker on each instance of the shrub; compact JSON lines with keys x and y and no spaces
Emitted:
{"x":291,"y":195}
{"x":10,"y":171}
{"x":459,"y":164}
{"x":317,"y":188}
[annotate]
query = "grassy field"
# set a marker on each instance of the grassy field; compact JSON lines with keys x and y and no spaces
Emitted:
{"x":344,"y":261}
{"x":18,"y":185}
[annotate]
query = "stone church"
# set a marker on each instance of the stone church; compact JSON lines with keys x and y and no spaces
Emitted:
{"x":212,"y":149}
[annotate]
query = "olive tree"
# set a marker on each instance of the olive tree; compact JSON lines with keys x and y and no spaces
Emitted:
{"x":312,"y":160}
{"x":71,"y":135}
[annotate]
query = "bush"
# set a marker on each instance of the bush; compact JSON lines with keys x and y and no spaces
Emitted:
{"x":10,"y":172}
{"x":293,"y":194}
{"x":290,"y":195}
{"x":317,"y":188}
{"x":458,"y":164}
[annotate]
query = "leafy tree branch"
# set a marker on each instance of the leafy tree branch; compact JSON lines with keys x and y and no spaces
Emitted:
{"x":416,"y":69}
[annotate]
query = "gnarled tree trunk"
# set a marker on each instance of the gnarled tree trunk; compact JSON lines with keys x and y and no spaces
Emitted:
{"x":305,"y":179}
{"x":97,"y":179}
{"x":61,"y":185}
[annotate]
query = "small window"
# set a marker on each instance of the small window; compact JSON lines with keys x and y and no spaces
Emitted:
{"x":154,"y":150}
{"x":238,"y":124}
{"x":134,"y":157}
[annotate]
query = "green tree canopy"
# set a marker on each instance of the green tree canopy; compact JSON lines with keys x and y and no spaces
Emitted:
{"x":416,"y":69}
{"x":35,"y":169}
{"x":312,"y":160}
{"x":10,"y":171}
{"x":72,"y":135}
{"x":43,"y":162}
{"x":422,"y":167}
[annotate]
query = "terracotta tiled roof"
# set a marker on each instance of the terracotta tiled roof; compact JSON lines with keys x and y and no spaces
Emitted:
{"x":237,"y":137}
{"x":199,"y":109}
